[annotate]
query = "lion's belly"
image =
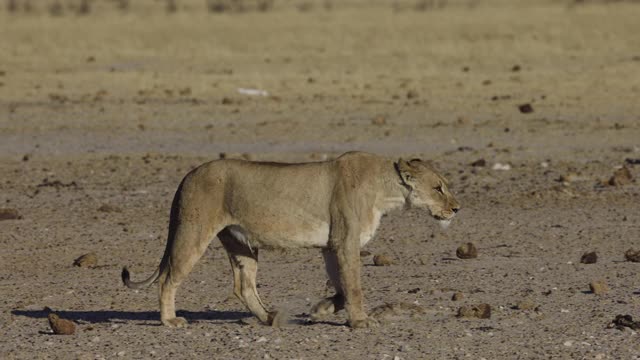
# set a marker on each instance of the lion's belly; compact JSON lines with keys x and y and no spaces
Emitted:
{"x":307,"y":237}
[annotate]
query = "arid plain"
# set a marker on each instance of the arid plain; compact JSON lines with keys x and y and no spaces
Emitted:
{"x":528,"y":107}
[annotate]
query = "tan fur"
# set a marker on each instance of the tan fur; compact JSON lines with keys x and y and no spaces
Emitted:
{"x":333,"y":205}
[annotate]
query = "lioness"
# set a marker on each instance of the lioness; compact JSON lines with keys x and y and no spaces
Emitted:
{"x":333,"y":205}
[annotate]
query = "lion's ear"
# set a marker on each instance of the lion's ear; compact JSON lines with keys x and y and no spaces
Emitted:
{"x":405,"y":172}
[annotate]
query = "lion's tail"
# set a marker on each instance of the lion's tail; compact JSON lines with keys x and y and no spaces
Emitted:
{"x":139,"y":284}
{"x":165,"y":263}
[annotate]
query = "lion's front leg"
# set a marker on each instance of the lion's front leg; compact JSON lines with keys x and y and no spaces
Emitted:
{"x":345,"y":242}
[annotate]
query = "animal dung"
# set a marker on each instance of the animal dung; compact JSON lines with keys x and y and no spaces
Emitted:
{"x":467,"y":251}
{"x":525,"y":108}
{"x":61,"y":326}
{"x":382,"y":260}
{"x":9,"y":214}
{"x":89,"y":260}
{"x":589,"y":258}
{"x":621,"y":177}
{"x":482,"y":311}
{"x":632,"y":255}
{"x":622,"y":321}
{"x":599,"y":287}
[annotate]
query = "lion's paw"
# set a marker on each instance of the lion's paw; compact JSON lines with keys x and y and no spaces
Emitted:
{"x":278,"y":318}
{"x":176,"y":322}
{"x":322,"y":309}
{"x":366,"y":323}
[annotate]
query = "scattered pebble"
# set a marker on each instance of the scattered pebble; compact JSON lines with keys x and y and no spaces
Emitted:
{"x":397,"y":310}
{"x":482,"y":311}
{"x":479,"y":163}
{"x":106,"y":208}
{"x":632,"y":255}
{"x":589,"y":258}
{"x":526,"y":304}
{"x":379,"y":121}
{"x":569,"y":178}
{"x":89,"y":260}
{"x":412,"y":94}
{"x":382,"y":260}
{"x":525,"y":108}
{"x":467,"y":251}
{"x":9,"y":214}
{"x":61,"y":326}
{"x":457,"y":296}
{"x":599,"y":287}
{"x":621,"y":177}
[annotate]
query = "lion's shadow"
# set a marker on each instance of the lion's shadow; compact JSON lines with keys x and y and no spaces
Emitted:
{"x":149,"y":318}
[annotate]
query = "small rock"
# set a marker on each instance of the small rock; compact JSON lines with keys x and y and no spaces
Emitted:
{"x":226,"y":101}
{"x":569,"y":178}
{"x":525,"y":108}
{"x":413,"y":291}
{"x":109,"y":208}
{"x":379,"y":121}
{"x":412,"y":94}
{"x":9,"y":214}
{"x":479,"y":163}
{"x":457,"y":296}
{"x":89,"y":260}
{"x":382,"y":260}
{"x":482,"y":311}
{"x":589,"y":258}
{"x":61,"y":326}
{"x":621,"y":177}
{"x":525,"y":304}
{"x":467,"y":251}
{"x":599,"y":287}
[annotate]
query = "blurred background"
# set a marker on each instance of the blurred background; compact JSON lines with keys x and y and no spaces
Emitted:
{"x":283,"y":76}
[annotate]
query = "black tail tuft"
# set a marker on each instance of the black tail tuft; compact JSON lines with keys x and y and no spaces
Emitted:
{"x":125,"y":276}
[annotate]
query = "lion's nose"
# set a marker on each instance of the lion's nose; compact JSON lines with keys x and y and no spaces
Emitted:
{"x":455,"y":209}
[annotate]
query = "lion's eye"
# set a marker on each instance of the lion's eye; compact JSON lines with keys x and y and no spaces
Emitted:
{"x":439,"y":189}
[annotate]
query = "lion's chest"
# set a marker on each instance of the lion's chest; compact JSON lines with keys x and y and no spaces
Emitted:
{"x":369,"y":227}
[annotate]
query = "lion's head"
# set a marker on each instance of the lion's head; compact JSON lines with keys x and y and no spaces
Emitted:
{"x":427,"y":189}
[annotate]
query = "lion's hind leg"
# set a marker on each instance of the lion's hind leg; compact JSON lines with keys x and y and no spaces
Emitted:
{"x":187,"y":247}
{"x":244,"y":263}
{"x":335,"y":303}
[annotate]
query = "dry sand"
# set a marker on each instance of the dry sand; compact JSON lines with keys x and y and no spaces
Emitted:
{"x":101,"y":115}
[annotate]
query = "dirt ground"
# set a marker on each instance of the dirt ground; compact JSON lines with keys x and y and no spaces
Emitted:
{"x":102,"y":114}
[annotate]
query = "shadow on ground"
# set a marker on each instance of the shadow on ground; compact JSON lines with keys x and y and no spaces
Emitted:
{"x":121,"y":316}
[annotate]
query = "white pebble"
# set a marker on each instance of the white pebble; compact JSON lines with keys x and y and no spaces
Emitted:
{"x":261,"y":339}
{"x":502,"y":167}
{"x":121,"y":353}
{"x":568,"y":343}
